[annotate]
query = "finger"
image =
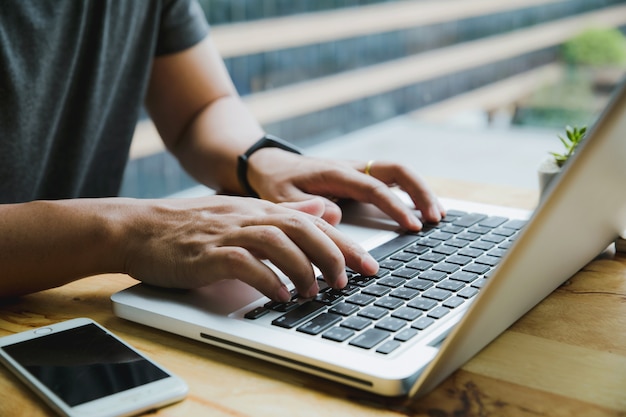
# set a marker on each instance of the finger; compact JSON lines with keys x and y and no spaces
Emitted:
{"x":328,"y":210}
{"x":271,"y":243}
{"x":369,"y":189}
{"x":313,"y":206}
{"x":417,"y":189}
{"x":355,"y":256}
{"x":232,"y":262}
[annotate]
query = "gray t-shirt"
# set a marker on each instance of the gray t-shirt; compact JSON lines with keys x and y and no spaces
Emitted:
{"x":73,"y":75}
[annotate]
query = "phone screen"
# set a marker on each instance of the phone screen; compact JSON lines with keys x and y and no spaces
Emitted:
{"x":83,"y":364}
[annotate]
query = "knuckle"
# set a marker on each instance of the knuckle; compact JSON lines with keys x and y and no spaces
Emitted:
{"x":234,"y":256}
{"x":271,"y":235}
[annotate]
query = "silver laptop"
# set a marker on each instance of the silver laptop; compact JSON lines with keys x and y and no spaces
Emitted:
{"x":441,"y":295}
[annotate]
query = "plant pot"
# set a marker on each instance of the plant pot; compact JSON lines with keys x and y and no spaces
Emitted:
{"x":547,"y":171}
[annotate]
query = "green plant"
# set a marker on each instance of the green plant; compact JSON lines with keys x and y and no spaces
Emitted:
{"x":596,"y":47}
{"x":573,"y":137}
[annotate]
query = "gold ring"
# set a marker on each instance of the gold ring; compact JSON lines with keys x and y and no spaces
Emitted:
{"x":368,"y":167}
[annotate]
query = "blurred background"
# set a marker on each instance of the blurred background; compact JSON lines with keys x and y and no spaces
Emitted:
{"x":487,"y":83}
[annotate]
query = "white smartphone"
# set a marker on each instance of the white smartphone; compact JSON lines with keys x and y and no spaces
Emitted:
{"x":80,"y":369}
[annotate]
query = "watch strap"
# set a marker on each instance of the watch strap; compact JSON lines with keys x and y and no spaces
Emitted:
{"x":267,"y":141}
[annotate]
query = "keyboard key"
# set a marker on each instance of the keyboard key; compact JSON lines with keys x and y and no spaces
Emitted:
{"x":417,"y":249}
{"x":459,"y":260}
{"x":445,"y":249}
{"x":406,"y":273}
{"x":440,"y":235}
{"x":403,"y":256}
{"x":481,"y":230}
{"x":406,"y":334}
{"x":419,"y":265}
{"x":464,"y":276}
{"x":497,"y":252}
{"x":370,"y":338}
{"x":506,"y":245}
{"x":361,"y":299}
{"x":488,"y":260}
{"x":450,"y":228}
{"x":391,"y":324}
{"x":419,"y":284}
{"x":390,"y":264}
{"x":404,"y":293}
{"x":438,"y":312}
{"x":477,"y":268}
{"x":437,"y":294}
{"x":376,"y":290}
{"x":431,"y":243}
{"x":407,"y":313}
{"x":432,"y":257}
{"x":457,"y":243}
{"x":338,"y":334}
{"x":361,"y":280}
{"x":493,"y":238}
{"x":503,"y":231}
{"x":469,"y":219}
{"x":329,"y":296}
{"x":515,"y":224}
{"x":393,"y":282}
{"x":390,"y":303}
{"x":424,"y":304}
{"x":468,"y":236}
{"x":388,"y":347}
{"x":256,"y":313}
{"x":356,"y":323}
{"x":471,"y":252}
{"x":431,"y":275}
{"x":451,"y":285}
{"x":482,"y":245}
{"x":453,"y":302}
{"x":493,"y":221}
{"x":319,"y":323}
{"x":282,"y":307}
{"x":344,"y":309}
{"x":446,"y":267}
{"x":479,"y":283}
{"x":422,"y":323}
{"x":373,"y":312}
{"x":468,"y":292}
{"x":452,"y":214}
{"x":392,"y":246}
{"x":299,"y":315}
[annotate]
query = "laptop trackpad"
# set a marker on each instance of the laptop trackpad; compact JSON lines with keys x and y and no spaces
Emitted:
{"x":223,"y":297}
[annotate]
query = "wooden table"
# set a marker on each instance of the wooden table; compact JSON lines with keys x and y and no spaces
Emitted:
{"x":566,"y":357}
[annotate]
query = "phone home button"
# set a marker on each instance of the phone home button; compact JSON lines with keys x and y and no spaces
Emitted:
{"x":44,"y":330}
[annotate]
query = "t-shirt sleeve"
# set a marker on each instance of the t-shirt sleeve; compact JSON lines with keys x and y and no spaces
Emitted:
{"x":183,"y":25}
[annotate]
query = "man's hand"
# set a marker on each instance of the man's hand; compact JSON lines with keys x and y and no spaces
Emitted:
{"x":280,"y":176}
{"x":190,"y":243}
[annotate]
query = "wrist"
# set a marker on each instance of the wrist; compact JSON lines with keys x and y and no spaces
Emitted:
{"x":267,"y":141}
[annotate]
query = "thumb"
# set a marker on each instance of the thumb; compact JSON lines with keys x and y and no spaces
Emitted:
{"x":313,"y":206}
{"x":319,"y":207}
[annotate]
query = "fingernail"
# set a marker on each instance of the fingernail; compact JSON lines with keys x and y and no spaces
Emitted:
{"x":415,"y":223}
{"x":284,"y":295}
{"x":342,"y":280}
{"x":369,"y":264}
{"x":313,"y":289}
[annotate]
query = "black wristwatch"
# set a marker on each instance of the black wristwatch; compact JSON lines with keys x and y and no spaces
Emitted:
{"x":267,"y":141}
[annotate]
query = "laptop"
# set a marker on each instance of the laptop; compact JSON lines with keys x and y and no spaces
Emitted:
{"x":440,"y":296}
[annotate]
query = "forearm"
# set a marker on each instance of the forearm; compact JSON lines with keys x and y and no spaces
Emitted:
{"x":199,"y":114}
{"x":209,"y":147}
{"x":46,"y":244}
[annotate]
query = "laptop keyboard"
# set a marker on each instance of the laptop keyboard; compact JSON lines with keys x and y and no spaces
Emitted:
{"x":422,"y":278}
